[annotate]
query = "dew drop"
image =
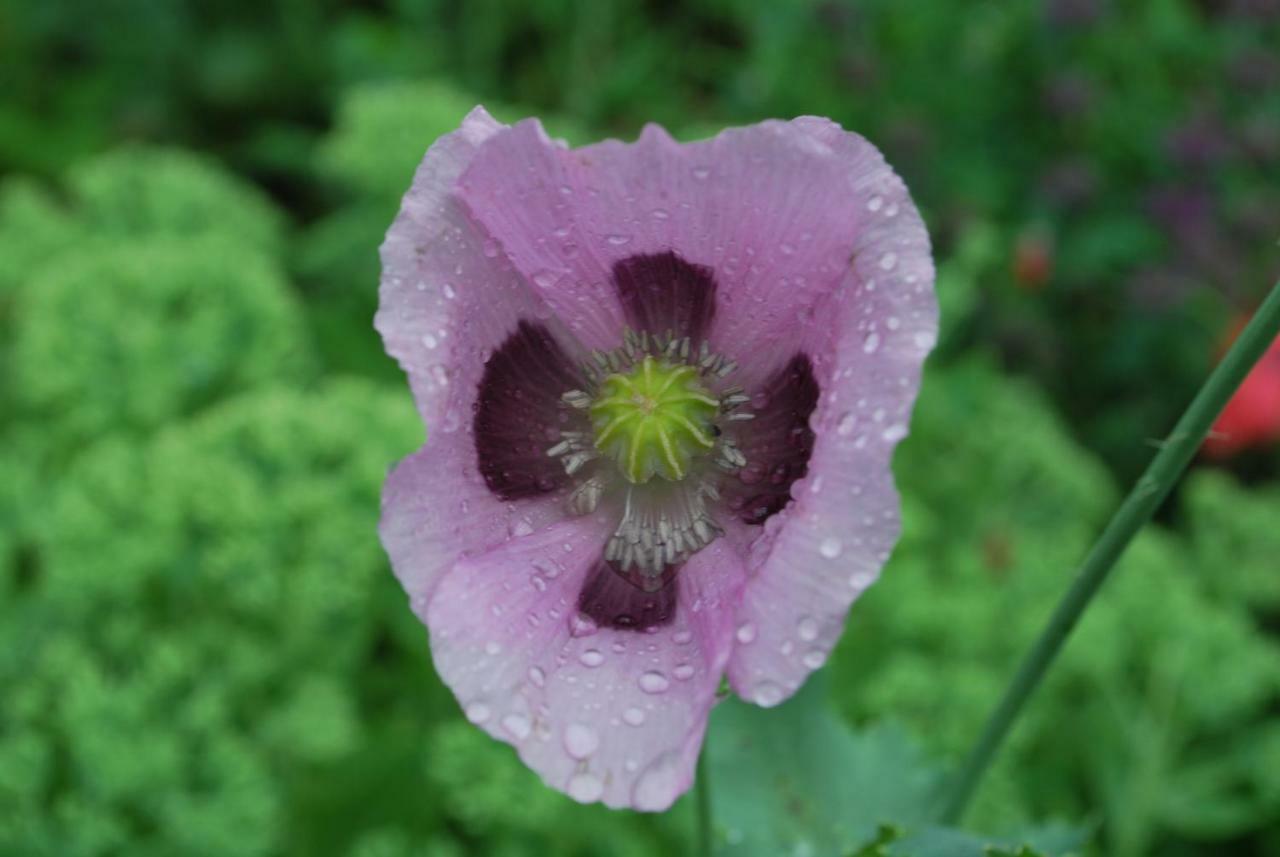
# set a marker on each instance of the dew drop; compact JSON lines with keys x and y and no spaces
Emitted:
{"x":449,"y":292}
{"x":654,"y":682}
{"x":633,"y":716}
{"x":847,"y":423}
{"x":582,"y":626}
{"x":892,"y":210}
{"x":893,"y":322}
{"x":545,"y":279}
{"x":807,"y":628}
{"x":580,"y":741}
{"x":658,"y":784}
{"x":786,"y":249}
{"x":618,"y":240}
{"x":701,"y":173}
{"x":429,"y":340}
{"x":493,"y":647}
{"x":660,"y":214}
{"x":767,"y":694}
{"x":478,"y":712}
{"x":591,"y":658}
{"x":814,"y":659}
{"x":441,"y":375}
{"x":517,"y":725}
{"x":925,"y":339}
{"x":875,"y":203}
{"x":684,"y":672}
{"x":490,"y":249}
{"x":746,"y":633}
{"x":830,"y":547}
{"x":520,"y":527}
{"x":681,"y":637}
{"x":888,"y":261}
{"x":871,"y":343}
{"x":894,"y":433}
{"x":537,"y":677}
{"x":585,"y":788}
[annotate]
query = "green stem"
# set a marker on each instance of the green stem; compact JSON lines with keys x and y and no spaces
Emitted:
{"x":702,"y":794}
{"x":1175,"y":454}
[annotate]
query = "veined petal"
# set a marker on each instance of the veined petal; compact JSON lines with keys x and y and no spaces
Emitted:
{"x":604,"y":714}
{"x":448,"y":303}
{"x":776,"y":213}
{"x":866,"y":346}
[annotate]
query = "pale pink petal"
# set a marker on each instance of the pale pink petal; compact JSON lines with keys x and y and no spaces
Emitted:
{"x":603,"y":714}
{"x":867,"y":345}
{"x":448,"y":301}
{"x":776,"y":210}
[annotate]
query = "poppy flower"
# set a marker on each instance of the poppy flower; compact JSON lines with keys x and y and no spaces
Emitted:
{"x":1252,"y":416}
{"x":662,"y":384}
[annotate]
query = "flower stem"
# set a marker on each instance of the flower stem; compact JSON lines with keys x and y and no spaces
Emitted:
{"x":702,"y":789}
{"x":1175,"y":454}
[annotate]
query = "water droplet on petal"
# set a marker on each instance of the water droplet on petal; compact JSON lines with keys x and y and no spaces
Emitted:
{"x":660,"y":214}
{"x":894,"y":433}
{"x":681,"y":637}
{"x":847,"y":423}
{"x":520,"y":527}
{"x":585,"y":788}
{"x":449,"y":292}
{"x":429,"y":340}
{"x":830,"y":547}
{"x":767,"y":694}
{"x":633,"y":716}
{"x":582,"y":626}
{"x":659,"y":784}
{"x":925,"y":339}
{"x":871,"y":343}
{"x":807,"y":628}
{"x":684,"y":672}
{"x":618,"y":240}
{"x":517,"y":725}
{"x":888,"y":261}
{"x":580,"y":741}
{"x":591,"y":658}
{"x":746,"y":633}
{"x":893,"y":322}
{"x":537,"y":677}
{"x":490,"y":249}
{"x":493,"y":647}
{"x":701,"y":173}
{"x":654,"y":682}
{"x":478,"y":712}
{"x":875,"y":203}
{"x":440,"y":374}
{"x":813,"y":660}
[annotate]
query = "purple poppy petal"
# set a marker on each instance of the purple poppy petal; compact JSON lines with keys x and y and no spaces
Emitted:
{"x":602,"y":714}
{"x":775,"y":211}
{"x":777,"y":443}
{"x":866,"y":347}
{"x":518,"y":414}
{"x":661,"y":292}
{"x":447,"y":304}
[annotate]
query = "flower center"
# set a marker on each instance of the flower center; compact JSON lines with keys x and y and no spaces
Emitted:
{"x":654,"y":419}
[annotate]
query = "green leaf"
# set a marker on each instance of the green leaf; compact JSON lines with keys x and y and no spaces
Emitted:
{"x":796,"y":780}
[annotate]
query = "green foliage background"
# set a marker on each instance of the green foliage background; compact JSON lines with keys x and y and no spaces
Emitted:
{"x":202,"y":651}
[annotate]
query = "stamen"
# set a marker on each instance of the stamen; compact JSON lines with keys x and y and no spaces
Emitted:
{"x":657,"y":407}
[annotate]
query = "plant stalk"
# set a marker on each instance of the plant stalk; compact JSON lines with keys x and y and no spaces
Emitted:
{"x":1146,"y":496}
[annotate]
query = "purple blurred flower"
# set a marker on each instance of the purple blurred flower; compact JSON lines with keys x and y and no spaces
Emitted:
{"x":1202,"y":141}
{"x":1073,"y":13}
{"x":663,"y":384}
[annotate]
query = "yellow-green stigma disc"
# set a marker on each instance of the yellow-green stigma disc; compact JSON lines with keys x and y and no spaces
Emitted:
{"x":654,"y":419}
